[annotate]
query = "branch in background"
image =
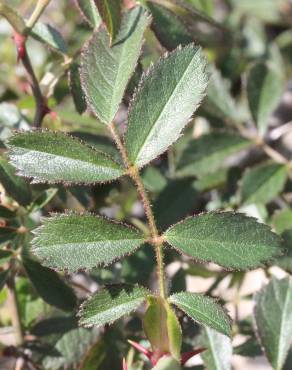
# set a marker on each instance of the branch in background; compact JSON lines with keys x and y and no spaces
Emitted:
{"x":21,"y":32}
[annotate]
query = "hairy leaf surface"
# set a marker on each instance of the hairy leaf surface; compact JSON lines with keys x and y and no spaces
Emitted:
{"x":203,"y":310}
{"x":165,"y":100}
{"x":72,"y":242}
{"x":228,"y":239}
{"x":89,"y":12}
{"x":110,"y":304}
{"x":105,"y":70}
{"x":273,"y":318}
{"x":55,"y":157}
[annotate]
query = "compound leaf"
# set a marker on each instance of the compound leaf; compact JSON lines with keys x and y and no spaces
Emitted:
{"x":110,"y":12}
{"x":72,"y":242}
{"x":229,"y":239}
{"x":167,"y":96}
{"x":263,"y":183}
{"x":106,"y":70}
{"x":273,"y":318}
{"x":110,"y":304}
{"x":55,"y":157}
{"x":203,"y":310}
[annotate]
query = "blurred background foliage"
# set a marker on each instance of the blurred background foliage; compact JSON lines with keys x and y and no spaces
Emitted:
{"x":235,"y":155}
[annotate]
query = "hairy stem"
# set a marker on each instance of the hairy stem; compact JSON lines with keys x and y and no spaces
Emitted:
{"x":14,"y":311}
{"x":134,"y":173}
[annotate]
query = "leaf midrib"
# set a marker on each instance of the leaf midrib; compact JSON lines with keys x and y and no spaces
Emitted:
{"x":163,"y":108}
{"x":192,"y":309}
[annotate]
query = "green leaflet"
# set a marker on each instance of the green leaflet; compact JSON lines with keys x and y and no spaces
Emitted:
{"x":219,"y":350}
{"x":76,"y":89}
{"x":263,"y":183}
{"x":273,"y":318}
{"x":167,"y":96}
{"x":48,"y":35}
{"x":110,"y":304}
{"x":16,"y":187}
{"x":209,"y":152}
{"x":168,"y":28}
{"x":203,"y":310}
{"x":49,"y":285}
{"x":264,"y":90}
{"x":106,"y":70}
{"x":71,"y":242}
{"x":229,"y":239}
{"x":53,"y":157}
{"x":110,"y":12}
{"x":89,"y":12}
{"x":167,"y":363}
{"x":5,"y":256}
{"x":219,"y":100}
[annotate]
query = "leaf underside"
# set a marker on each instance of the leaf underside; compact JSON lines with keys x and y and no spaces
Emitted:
{"x":231,"y":240}
{"x":72,"y":242}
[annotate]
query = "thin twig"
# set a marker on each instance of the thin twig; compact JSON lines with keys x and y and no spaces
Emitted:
{"x":38,"y":11}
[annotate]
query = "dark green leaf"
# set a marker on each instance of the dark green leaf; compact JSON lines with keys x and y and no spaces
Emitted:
{"x":3,"y":278}
{"x":105,"y":70}
{"x":16,"y":187}
{"x":219,"y":350}
{"x":110,"y":12}
{"x":167,"y":96}
{"x":6,"y":213}
{"x":55,"y":157}
{"x":43,"y":199}
{"x":70,"y":348}
{"x":273,"y":318}
{"x":168,"y":28}
{"x":72,"y":242}
{"x":54,"y":325}
{"x":209,"y":152}
{"x":7,"y":234}
{"x":229,"y":239}
{"x":285,"y":261}
{"x":264,"y":90}
{"x":282,"y":220}
{"x":89,"y":12}
{"x":76,"y":89}
{"x":263,"y":183}
{"x":203,"y":310}
{"x":49,"y":285}
{"x":175,"y":201}
{"x":110,"y":304}
{"x":5,"y":256}
{"x":49,"y":36}
{"x":249,"y":348}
